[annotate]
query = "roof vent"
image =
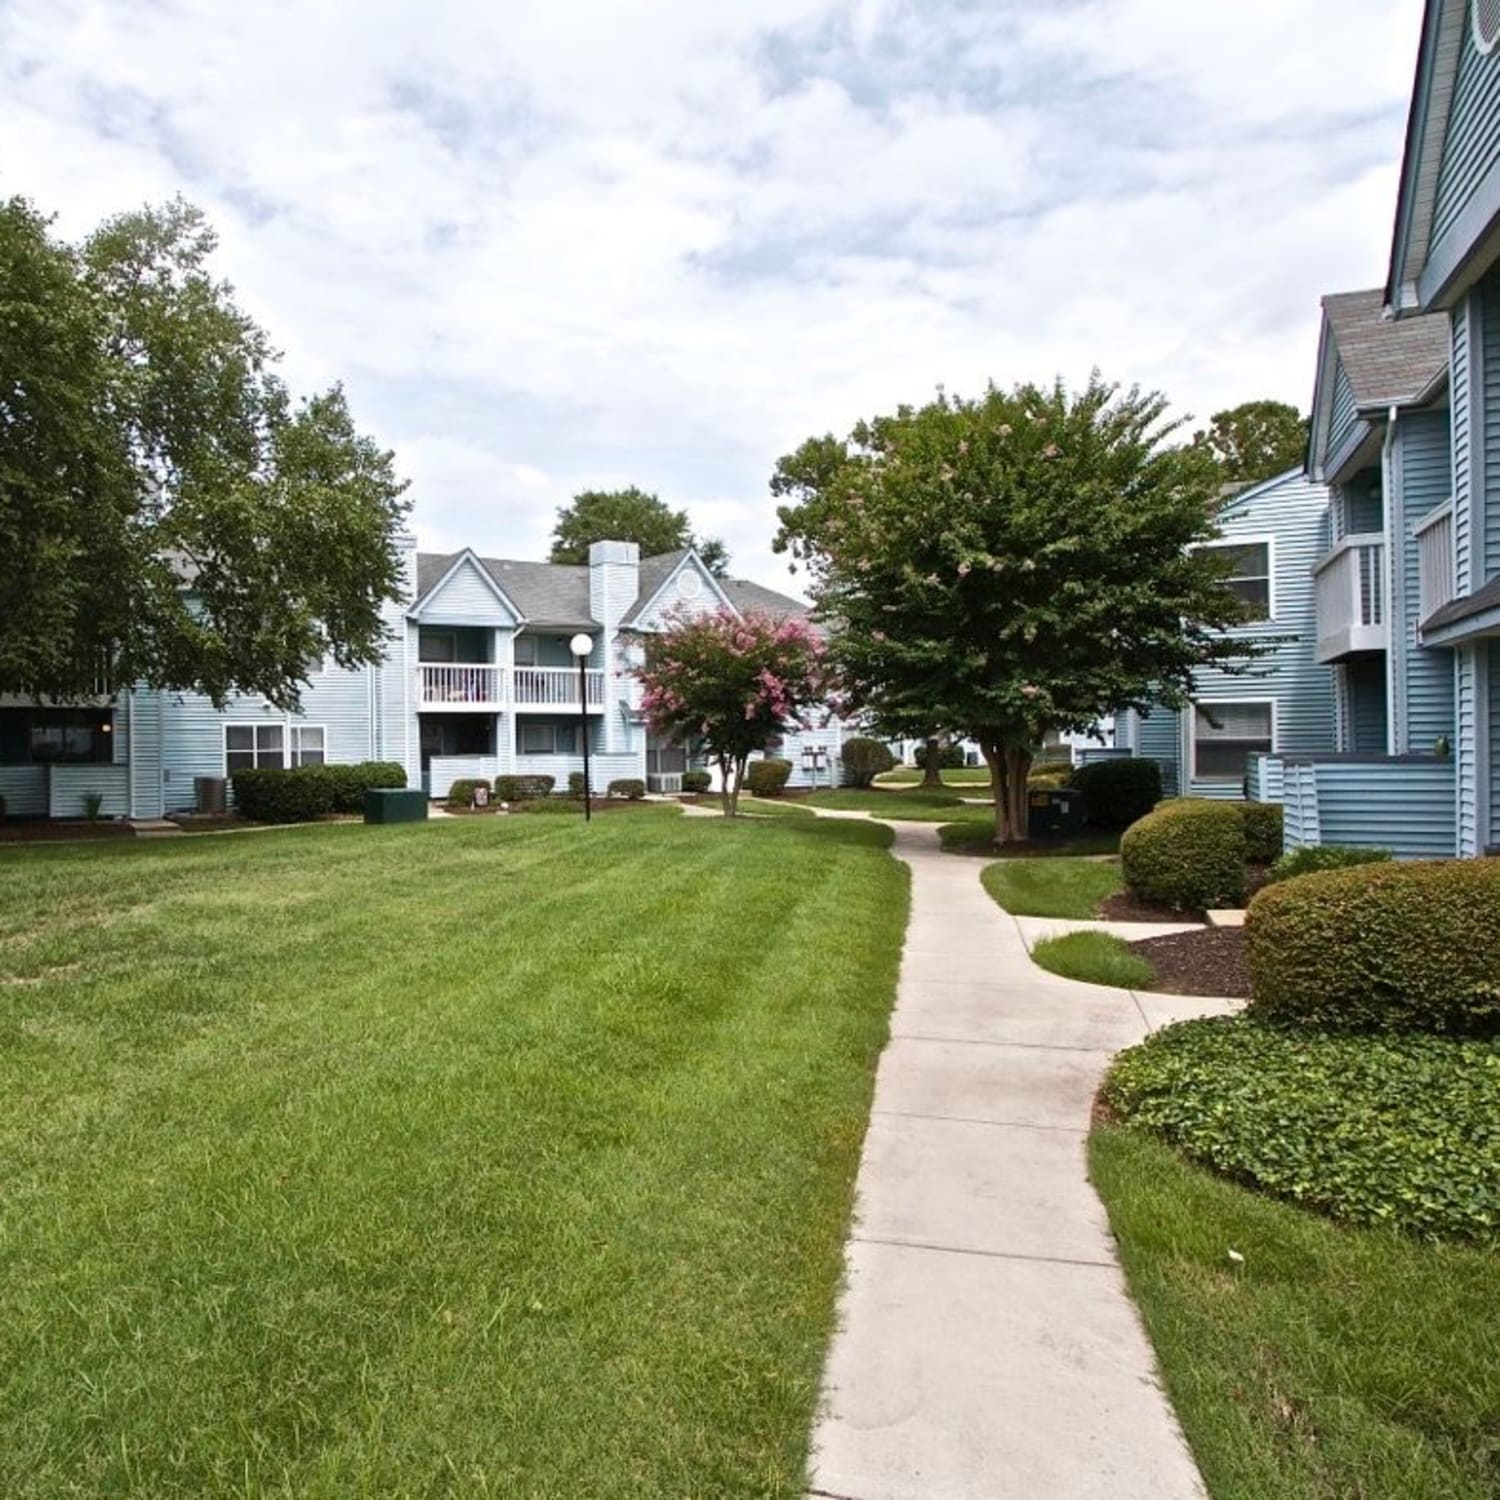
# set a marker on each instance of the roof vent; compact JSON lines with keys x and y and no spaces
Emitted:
{"x":1486,"y":24}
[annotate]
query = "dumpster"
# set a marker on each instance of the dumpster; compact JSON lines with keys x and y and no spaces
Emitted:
{"x":391,"y":805}
{"x":1054,"y":813}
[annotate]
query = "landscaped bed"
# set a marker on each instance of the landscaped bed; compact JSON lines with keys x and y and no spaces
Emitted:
{"x":506,"y":1158}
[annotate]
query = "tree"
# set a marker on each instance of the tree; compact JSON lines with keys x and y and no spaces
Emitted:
{"x":629,"y":515}
{"x":1016,"y":564}
{"x":732,"y":683}
{"x":1256,"y":440}
{"x":168,"y":515}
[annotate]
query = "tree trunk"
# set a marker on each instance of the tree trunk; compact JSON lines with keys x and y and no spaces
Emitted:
{"x":729,"y":791}
{"x":932,"y":762}
{"x":1009,"y":767}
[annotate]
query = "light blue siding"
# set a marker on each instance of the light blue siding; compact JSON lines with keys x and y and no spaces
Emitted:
{"x":1494,"y":746}
{"x":1466,"y":747}
{"x":145,"y":710}
{"x":1368,"y":708}
{"x":1472,"y":144}
{"x":1159,"y":738}
{"x":1266,"y":779}
{"x":467,"y":598}
{"x":1487,"y":481}
{"x":24,"y":789}
{"x":1423,"y":678}
{"x":1465,"y":333}
{"x":1344,"y":413}
{"x":1405,"y":804}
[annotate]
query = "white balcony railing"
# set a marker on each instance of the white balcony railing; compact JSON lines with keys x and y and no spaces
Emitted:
{"x":1352,"y":614}
{"x":1436,"y":585}
{"x":555,"y":687}
{"x":462,"y":687}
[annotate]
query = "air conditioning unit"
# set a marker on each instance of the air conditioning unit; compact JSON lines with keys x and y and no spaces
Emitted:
{"x":210,"y":794}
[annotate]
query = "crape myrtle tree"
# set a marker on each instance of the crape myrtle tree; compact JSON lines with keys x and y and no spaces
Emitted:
{"x":731,"y":683}
{"x":1013,"y":564}
{"x":147,"y":444}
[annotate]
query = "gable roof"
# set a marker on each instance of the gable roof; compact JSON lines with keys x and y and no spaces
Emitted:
{"x":1388,"y":362}
{"x":545,"y":593}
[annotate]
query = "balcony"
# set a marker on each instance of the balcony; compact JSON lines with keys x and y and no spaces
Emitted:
{"x":483,"y":688}
{"x":1435,"y":580}
{"x":1350,"y":583}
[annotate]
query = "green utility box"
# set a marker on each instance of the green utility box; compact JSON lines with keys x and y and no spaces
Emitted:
{"x":395,"y":806}
{"x":1054,"y":813}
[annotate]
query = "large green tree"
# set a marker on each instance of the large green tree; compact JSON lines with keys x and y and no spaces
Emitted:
{"x":629,"y":515}
{"x":1254,"y":441}
{"x":168,"y":514}
{"x":1013,"y":564}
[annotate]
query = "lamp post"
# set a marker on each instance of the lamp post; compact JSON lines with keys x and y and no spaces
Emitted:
{"x":581,"y":645}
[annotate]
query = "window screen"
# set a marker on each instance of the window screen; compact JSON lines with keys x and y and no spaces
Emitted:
{"x":1226,"y":735}
{"x":1249,"y":574}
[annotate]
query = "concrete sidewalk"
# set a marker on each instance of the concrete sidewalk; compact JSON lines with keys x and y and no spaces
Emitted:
{"x":987,"y":1346}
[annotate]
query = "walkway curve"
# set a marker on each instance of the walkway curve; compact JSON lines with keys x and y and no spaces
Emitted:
{"x":987,"y":1346}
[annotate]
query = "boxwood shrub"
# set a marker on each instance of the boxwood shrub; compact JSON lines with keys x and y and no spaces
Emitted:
{"x":461,"y":792}
{"x":274,"y":795}
{"x":696,"y":781}
{"x":348,"y":784}
{"x":628,"y":787}
{"x":865,"y":759}
{"x":1263,"y":831}
{"x":1317,"y":857}
{"x":1382,"y":947}
{"x":523,"y":788}
{"x":1397,"y":1131}
{"x":1188,"y":854}
{"x":767,"y":778}
{"x":1117,"y":793}
{"x":575,"y":783}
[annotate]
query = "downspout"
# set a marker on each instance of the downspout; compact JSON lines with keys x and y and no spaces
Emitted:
{"x":1395,"y":724}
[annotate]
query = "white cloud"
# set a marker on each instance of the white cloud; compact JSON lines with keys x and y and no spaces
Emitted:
{"x":552,"y":246}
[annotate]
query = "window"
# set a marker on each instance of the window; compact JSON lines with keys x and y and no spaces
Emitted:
{"x":525,"y":650}
{"x":63,"y":735}
{"x":549,"y":739}
{"x":1249,"y":575}
{"x":1226,"y":735}
{"x":1486,"y":24}
{"x":307,"y":744}
{"x":252,"y":747}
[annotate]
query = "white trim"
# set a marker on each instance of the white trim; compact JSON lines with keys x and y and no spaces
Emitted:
{"x":1265,"y":539}
{"x":288,"y":728}
{"x":1484,"y":790}
{"x":1426,"y":522}
{"x":1190,"y":719}
{"x":295,"y":730}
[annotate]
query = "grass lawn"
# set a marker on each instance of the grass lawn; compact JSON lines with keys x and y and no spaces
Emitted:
{"x":974,"y":833}
{"x":1333,"y":1362}
{"x":492,"y":1157}
{"x":1095,"y":958}
{"x":1052,"y":887}
{"x":967,"y":777}
{"x":912,"y":805}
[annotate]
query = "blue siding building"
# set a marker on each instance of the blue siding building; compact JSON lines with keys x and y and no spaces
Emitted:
{"x":1281,"y":702}
{"x":478,"y":679}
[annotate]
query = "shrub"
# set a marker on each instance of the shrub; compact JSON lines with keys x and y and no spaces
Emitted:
{"x":461,"y":792}
{"x":766,"y":778}
{"x":629,"y":788}
{"x":1188,"y":854}
{"x":1319,"y":857}
{"x":1263,"y":831}
{"x":93,"y":803}
{"x":696,"y":781}
{"x":1050,"y":778}
{"x":2,"y":807}
{"x":950,"y":758}
{"x":1398,"y":1131}
{"x":523,"y":788}
{"x":1117,"y":793}
{"x":575,"y":783}
{"x":273,"y":795}
{"x":1384,"y":947}
{"x":865,"y":759}
{"x":348,"y":784}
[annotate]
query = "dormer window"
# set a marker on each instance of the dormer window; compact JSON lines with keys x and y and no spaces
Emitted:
{"x":1486,"y":15}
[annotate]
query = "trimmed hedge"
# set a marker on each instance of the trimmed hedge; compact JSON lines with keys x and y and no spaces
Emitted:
{"x":1383,"y":947}
{"x":1188,"y":854}
{"x":275,"y":795}
{"x":627,"y":787}
{"x":865,"y":759}
{"x":1117,"y":793}
{"x":1318,"y":857}
{"x":1401,"y":1132}
{"x":575,"y":783}
{"x":461,"y":792}
{"x":696,"y":781}
{"x":523,"y":788}
{"x":767,"y":778}
{"x":1264,"y":839}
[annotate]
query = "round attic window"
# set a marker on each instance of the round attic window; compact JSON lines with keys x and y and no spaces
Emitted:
{"x":1486,"y":24}
{"x":689,"y":584}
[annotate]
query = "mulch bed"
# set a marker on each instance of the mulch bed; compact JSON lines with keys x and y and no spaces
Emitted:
{"x":44,"y":831}
{"x":1127,"y":907}
{"x":1210,"y":961}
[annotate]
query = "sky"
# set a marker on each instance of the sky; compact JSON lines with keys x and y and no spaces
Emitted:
{"x":549,"y":247}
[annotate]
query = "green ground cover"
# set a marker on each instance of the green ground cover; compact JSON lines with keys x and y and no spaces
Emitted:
{"x":1316,"y":1361}
{"x":1053,"y":887}
{"x":506,"y":1157}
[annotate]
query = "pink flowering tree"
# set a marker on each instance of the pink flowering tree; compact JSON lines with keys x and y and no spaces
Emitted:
{"x":730,"y":683}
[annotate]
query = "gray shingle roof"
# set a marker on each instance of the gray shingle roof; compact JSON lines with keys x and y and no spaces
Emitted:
{"x":745,"y":595}
{"x":1388,"y":362}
